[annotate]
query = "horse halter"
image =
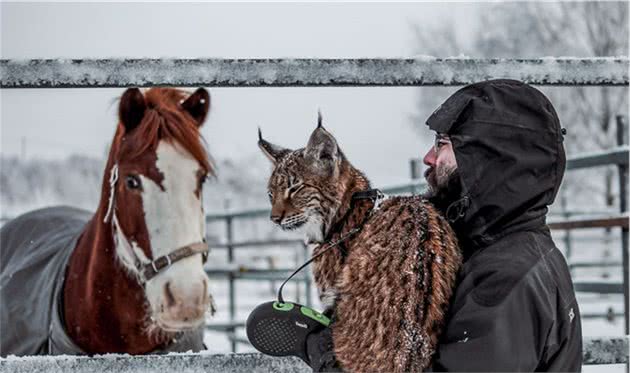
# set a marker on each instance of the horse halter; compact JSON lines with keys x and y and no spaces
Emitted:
{"x":146,"y":271}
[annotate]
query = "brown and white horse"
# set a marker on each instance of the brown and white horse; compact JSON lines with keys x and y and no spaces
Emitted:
{"x":134,"y":281}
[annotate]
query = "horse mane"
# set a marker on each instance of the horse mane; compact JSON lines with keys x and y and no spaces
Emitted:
{"x":164,"y":119}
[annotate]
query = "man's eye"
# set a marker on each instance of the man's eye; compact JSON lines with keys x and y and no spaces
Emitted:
{"x":442,"y":143}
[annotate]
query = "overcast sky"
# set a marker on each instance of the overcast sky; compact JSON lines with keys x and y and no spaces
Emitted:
{"x":372,"y":125}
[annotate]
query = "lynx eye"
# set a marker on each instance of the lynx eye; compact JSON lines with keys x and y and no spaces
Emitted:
{"x":270,"y":195}
{"x":293,"y":189}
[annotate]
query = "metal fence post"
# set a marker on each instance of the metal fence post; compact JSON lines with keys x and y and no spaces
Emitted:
{"x":415,"y":168}
{"x":623,"y":201}
{"x":231,"y":290}
{"x":232,"y":312}
{"x":229,"y":236}
{"x":307,"y":278}
{"x":567,"y":233}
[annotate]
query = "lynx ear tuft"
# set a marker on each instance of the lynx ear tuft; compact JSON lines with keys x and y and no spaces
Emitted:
{"x":274,"y":152}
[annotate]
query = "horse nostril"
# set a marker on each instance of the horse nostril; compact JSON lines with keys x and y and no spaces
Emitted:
{"x":170,"y":298}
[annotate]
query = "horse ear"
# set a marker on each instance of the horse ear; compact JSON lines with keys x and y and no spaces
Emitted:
{"x":198,"y":105}
{"x":131,"y":108}
{"x":274,"y":152}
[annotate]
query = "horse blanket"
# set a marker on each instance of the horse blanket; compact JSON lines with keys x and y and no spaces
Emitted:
{"x":34,"y":253}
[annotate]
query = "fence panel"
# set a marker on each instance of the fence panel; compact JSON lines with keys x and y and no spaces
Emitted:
{"x":421,"y":71}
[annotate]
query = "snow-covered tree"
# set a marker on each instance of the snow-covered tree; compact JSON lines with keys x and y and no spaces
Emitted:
{"x":537,"y":29}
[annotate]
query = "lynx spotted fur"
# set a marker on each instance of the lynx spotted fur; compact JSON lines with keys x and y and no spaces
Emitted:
{"x":390,"y":283}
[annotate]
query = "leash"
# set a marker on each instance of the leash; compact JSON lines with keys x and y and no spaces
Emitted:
{"x":376,"y":196}
{"x":280,"y":328}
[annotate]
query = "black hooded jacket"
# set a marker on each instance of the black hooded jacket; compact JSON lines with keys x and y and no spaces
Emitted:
{"x":514,"y":308}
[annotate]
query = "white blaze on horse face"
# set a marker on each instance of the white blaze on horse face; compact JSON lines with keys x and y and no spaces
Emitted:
{"x":172,"y":215}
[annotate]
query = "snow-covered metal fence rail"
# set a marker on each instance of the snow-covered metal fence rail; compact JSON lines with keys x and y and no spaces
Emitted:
{"x":596,"y":351}
{"x":302,"y":72}
{"x":181,"y":363}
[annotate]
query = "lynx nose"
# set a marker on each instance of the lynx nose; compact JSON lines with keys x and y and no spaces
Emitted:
{"x":276,"y":218}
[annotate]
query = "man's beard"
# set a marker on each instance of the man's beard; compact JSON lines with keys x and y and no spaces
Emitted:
{"x":444,"y":192}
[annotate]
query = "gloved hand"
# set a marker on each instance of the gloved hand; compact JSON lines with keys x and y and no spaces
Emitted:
{"x":320,"y":351}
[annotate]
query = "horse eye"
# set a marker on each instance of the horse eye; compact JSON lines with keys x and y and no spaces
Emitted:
{"x":133,"y":182}
{"x":202,"y":180}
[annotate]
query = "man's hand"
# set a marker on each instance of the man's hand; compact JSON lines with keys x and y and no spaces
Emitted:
{"x":320,"y":352}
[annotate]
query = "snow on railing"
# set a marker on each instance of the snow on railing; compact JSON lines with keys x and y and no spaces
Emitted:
{"x":596,"y":351}
{"x":174,"y":362}
{"x":419,"y":71}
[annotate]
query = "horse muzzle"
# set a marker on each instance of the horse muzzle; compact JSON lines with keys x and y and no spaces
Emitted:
{"x":183,"y":307}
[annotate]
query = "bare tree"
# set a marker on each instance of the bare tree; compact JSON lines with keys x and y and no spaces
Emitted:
{"x":536,"y":29}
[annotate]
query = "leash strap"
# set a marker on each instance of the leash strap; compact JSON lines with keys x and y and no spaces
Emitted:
{"x":372,"y":194}
{"x":280,"y":299}
{"x":457,"y":209}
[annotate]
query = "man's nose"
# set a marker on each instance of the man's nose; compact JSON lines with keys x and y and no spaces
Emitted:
{"x":429,"y":158}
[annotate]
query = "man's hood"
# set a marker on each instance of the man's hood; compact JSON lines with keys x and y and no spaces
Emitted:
{"x":507,"y":141}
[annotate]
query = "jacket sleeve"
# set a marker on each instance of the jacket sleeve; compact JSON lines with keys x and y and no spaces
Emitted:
{"x":486,"y":334}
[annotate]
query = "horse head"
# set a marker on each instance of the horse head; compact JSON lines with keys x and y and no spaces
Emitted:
{"x":156,"y":170}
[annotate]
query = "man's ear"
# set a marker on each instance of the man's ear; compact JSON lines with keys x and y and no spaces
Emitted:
{"x":131,"y":109}
{"x":274,"y":152}
{"x":322,"y":150}
{"x":198,"y":105}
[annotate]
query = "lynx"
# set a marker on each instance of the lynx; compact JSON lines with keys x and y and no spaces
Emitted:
{"x":387,"y":285}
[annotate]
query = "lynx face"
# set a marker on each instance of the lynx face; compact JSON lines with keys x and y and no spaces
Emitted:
{"x":305,"y":187}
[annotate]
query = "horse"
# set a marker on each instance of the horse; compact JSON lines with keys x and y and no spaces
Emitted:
{"x":129,"y":277}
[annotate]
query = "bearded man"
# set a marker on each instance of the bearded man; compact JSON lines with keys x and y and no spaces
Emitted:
{"x":496,"y":166}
